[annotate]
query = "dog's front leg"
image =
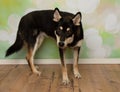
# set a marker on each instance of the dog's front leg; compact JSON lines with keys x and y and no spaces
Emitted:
{"x":75,"y":65}
{"x":64,"y":68}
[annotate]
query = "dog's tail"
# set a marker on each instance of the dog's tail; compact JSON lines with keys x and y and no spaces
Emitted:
{"x":16,"y":46}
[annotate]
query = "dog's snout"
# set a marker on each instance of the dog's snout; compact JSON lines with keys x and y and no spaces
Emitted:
{"x":61,"y":44}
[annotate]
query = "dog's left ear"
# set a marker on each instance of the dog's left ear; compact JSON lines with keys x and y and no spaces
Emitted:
{"x":77,"y":18}
{"x":56,"y":15}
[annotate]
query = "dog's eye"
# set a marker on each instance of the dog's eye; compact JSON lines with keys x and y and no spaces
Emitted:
{"x":68,"y":29}
{"x":60,"y":28}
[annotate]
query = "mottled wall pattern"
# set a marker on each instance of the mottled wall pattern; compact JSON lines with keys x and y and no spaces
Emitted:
{"x":101,"y":22}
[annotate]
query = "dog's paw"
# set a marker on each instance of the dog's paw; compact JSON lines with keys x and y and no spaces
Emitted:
{"x":77,"y":75}
{"x":66,"y":81}
{"x":37,"y":72}
{"x":37,"y":67}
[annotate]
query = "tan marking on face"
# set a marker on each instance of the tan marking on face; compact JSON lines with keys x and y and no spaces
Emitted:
{"x":69,"y":40}
{"x":61,"y":28}
{"x":68,"y":29}
{"x":58,"y":38}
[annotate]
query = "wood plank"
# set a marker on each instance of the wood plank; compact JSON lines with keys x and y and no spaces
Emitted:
{"x":39,"y":83}
{"x":56,"y":85}
{"x":56,"y":79}
{"x":101,"y":84}
{"x":69,"y":87}
{"x":9,"y":82}
{"x":65,"y":89}
{"x":4,"y":70}
{"x":3,"y":74}
{"x":85,"y":82}
{"x":74,"y":81}
{"x":112,"y":76}
{"x":21,"y":79}
{"x":95,"y":78}
{"x":6,"y":67}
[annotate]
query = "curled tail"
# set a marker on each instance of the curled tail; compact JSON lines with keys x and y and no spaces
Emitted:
{"x":15,"y":47}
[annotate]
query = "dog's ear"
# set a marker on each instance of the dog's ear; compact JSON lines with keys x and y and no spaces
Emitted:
{"x":56,"y":15}
{"x":77,"y":18}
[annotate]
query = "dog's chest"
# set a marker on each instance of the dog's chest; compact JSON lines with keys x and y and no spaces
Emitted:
{"x":75,"y":44}
{"x":79,"y":43}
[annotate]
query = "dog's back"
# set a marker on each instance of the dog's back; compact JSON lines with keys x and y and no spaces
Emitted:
{"x":40,"y":20}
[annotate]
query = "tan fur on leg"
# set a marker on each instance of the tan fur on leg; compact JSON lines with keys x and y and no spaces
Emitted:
{"x":30,"y":61}
{"x":75,"y":65}
{"x":65,"y":75}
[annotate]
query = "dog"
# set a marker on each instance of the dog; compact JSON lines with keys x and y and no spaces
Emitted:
{"x":66,"y":28}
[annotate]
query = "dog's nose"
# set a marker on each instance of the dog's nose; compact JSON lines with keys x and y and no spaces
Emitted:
{"x":61,"y":44}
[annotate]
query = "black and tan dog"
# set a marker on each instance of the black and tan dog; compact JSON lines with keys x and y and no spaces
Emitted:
{"x":64,"y":27}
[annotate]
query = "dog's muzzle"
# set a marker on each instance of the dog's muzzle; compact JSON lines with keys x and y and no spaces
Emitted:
{"x":61,"y":44}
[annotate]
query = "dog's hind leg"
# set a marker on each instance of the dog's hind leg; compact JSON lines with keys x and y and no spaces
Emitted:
{"x":75,"y":65}
{"x":64,"y":68}
{"x":31,"y":53}
{"x":30,"y":57}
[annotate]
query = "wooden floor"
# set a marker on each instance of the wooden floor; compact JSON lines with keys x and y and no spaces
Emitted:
{"x":95,"y":78}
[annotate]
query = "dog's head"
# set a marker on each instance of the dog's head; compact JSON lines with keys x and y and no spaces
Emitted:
{"x":67,"y":27}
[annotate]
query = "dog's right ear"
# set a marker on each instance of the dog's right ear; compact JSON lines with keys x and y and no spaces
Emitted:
{"x":77,"y":18}
{"x":56,"y":15}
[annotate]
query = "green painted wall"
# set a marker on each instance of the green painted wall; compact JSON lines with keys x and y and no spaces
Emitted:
{"x":101,"y":22}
